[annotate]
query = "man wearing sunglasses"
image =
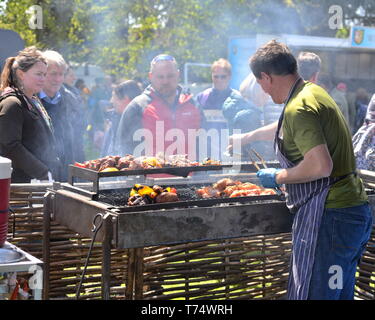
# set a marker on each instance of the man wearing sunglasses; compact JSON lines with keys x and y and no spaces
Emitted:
{"x":224,"y":107}
{"x":213,"y":98}
{"x":160,"y":118}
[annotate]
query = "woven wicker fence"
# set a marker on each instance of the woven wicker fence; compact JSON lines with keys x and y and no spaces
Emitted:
{"x":243,"y":268}
{"x":365,"y":286}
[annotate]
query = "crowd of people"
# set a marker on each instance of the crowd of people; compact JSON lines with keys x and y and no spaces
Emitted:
{"x":81,"y":123}
{"x":48,"y":118}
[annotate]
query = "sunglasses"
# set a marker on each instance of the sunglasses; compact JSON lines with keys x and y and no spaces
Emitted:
{"x":220,"y":76}
{"x":163,"y":57}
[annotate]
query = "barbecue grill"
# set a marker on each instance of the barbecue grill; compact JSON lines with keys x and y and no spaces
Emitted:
{"x":102,"y":204}
{"x":190,"y":219}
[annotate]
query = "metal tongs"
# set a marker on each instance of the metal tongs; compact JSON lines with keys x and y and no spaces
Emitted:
{"x":278,"y":191}
{"x":259,"y":157}
{"x":229,"y":154}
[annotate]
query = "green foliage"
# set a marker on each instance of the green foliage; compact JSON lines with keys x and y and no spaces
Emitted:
{"x":14,"y":18}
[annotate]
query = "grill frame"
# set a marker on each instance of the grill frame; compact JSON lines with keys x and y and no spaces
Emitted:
{"x":95,"y":176}
{"x":108,"y":237}
{"x":184,"y":204}
{"x":68,"y":200}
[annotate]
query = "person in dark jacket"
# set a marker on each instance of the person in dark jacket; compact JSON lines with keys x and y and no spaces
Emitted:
{"x":160,"y":118}
{"x":73,"y":98}
{"x":241,"y":115}
{"x":361,"y":102}
{"x":122,"y":94}
{"x":26,"y":131}
{"x":64,"y":110}
{"x":98,"y":100}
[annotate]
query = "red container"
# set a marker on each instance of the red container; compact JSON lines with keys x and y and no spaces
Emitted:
{"x":5,"y":174}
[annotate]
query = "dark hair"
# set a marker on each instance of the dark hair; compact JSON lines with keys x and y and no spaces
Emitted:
{"x":273,"y":58}
{"x":79,"y":83}
{"x":129,"y":88}
{"x":24,"y":61}
{"x":308,"y":64}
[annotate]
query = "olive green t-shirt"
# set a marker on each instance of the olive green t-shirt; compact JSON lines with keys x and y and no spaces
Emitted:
{"x":312,"y":118}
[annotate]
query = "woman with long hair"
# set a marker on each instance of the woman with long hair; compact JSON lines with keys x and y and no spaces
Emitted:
{"x":26,"y":132}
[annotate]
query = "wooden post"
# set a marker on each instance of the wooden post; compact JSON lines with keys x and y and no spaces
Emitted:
{"x":187,"y":286}
{"x":138,"y":274}
{"x":47,"y":200}
{"x":130,"y":275}
{"x":227,"y":268}
{"x":264,"y":266}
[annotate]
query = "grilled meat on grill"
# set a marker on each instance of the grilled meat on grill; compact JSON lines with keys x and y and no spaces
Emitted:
{"x":208,"y":192}
{"x":157,"y":189}
{"x":229,"y":188}
{"x":180,"y":160}
{"x":124,"y":162}
{"x":128,"y":162}
{"x":166,"y":197}
{"x":210,"y":162}
{"x":223,"y":183}
{"x":93,"y":165}
{"x":138,"y":200}
{"x":141,"y":195}
{"x":109,"y":162}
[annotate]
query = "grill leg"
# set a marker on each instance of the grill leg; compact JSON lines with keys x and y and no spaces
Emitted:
{"x":106,"y":262}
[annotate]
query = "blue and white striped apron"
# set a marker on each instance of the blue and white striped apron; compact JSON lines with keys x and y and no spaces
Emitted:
{"x":307,"y":201}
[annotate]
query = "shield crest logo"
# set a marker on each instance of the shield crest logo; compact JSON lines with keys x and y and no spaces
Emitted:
{"x":358,"y":36}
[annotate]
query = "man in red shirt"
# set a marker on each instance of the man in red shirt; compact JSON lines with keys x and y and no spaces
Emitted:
{"x":162,"y":118}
